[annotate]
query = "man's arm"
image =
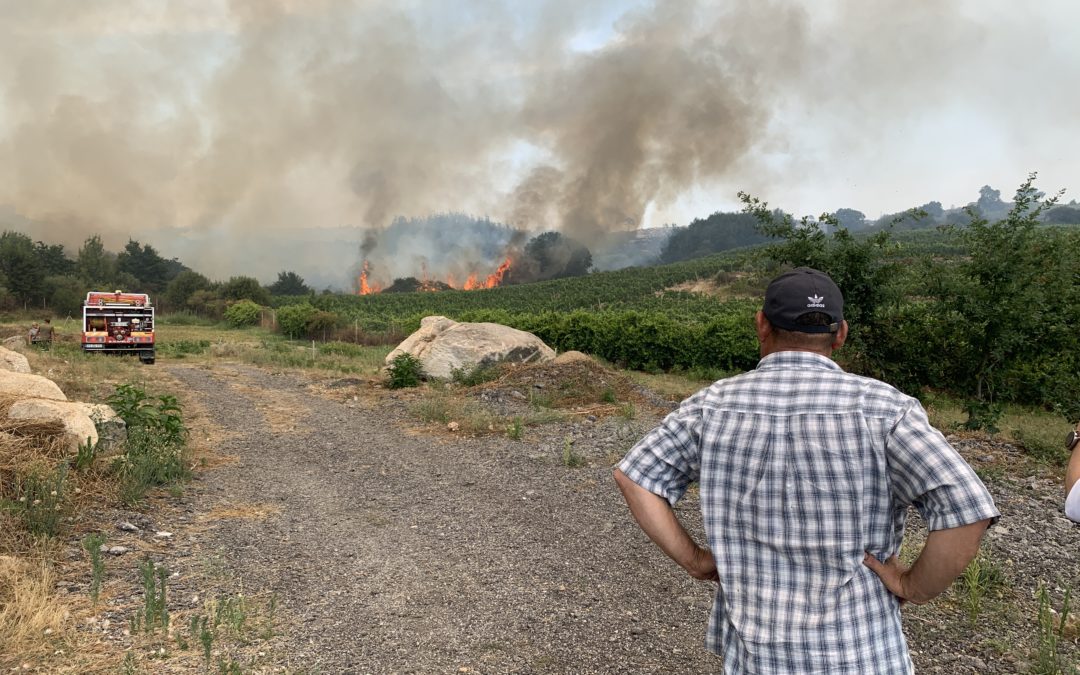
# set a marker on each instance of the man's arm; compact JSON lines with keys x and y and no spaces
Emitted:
{"x":656,"y":519}
{"x":943,"y":558}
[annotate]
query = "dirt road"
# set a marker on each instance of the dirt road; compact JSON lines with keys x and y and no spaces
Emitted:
{"x":394,"y":549}
{"x":400,"y":552}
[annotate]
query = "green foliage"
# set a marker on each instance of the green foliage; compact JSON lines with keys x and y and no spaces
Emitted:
{"x":245,"y":288}
{"x":92,"y":543}
{"x":1048,"y":657}
{"x":405,"y":371}
{"x":154,"y":613}
{"x":147,"y":266}
{"x":516,"y":429}
{"x":570,"y":458}
{"x":289,"y":283}
{"x":479,"y":374}
{"x":1016,"y":297}
{"x":182,"y":287}
{"x":180,"y":348}
{"x":20,"y":267}
{"x":96,"y":266}
{"x":243,"y":313}
{"x":156,"y":444}
{"x":551,"y":255}
{"x":292,"y":320}
{"x":718,"y":232}
{"x":39,"y":501}
{"x":84,"y":457}
{"x":980,"y":578}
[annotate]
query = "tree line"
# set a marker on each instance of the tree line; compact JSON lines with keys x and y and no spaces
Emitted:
{"x":37,"y":275}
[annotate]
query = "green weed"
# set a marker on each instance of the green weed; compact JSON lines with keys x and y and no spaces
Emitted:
{"x":570,"y":458}
{"x":405,"y":371}
{"x":85,"y":456}
{"x":91,"y":543}
{"x":154,"y":613}
{"x":39,"y":501}
{"x":479,"y":374}
{"x":515,"y":430}
{"x":979,"y":578}
{"x":1048,"y":659}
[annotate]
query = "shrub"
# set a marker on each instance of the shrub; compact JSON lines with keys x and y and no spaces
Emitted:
{"x":243,"y":313}
{"x":156,"y":446}
{"x":478,"y":374}
{"x":292,"y":320}
{"x":405,"y":371}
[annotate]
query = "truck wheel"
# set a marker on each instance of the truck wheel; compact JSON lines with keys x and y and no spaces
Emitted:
{"x":148,"y":359}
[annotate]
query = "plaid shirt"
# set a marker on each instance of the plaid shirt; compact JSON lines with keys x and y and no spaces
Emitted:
{"x":803,"y":467}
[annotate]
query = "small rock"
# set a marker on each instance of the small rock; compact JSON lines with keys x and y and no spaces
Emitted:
{"x":119,"y":550}
{"x":163,"y":534}
{"x":636,"y":630}
{"x":985,"y":458}
{"x":127,"y":527}
{"x":453,"y":426}
{"x":517,"y":394}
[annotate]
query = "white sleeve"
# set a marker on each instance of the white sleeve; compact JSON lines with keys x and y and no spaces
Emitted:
{"x":1072,"y":503}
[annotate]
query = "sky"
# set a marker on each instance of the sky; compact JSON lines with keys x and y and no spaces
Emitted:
{"x":223,"y":132}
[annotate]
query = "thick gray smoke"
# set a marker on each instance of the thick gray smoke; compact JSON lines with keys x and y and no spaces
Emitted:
{"x":259,"y":135}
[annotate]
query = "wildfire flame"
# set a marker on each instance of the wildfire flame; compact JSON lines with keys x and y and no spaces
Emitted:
{"x":472,"y":283}
{"x":365,"y":287}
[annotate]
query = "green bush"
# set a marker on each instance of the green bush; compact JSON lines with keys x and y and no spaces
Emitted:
{"x":39,"y":501}
{"x":156,"y":452}
{"x":292,"y":320}
{"x":405,"y":371}
{"x":243,"y":313}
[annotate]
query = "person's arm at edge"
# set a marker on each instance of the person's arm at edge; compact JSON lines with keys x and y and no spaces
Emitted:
{"x":656,"y":518}
{"x":1072,"y":473}
{"x":946,"y":553}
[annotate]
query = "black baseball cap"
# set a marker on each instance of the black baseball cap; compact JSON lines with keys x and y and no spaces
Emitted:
{"x":801,"y":291}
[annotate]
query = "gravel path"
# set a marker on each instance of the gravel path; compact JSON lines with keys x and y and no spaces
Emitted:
{"x":397,"y":550}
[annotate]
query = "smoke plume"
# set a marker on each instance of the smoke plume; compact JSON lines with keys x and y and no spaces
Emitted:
{"x":254,"y":136}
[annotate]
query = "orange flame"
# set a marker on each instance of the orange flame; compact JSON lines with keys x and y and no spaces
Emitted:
{"x":472,"y":283}
{"x":495,"y":279}
{"x":365,"y":287}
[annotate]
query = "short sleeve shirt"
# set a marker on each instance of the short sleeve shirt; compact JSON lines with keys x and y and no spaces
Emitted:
{"x":802,"y":468}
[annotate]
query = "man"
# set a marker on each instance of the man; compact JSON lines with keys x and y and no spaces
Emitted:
{"x":46,"y":334}
{"x":806,"y":473}
{"x":32,"y":336}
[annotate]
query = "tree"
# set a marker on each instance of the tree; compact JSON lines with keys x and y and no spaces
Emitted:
{"x":144,"y":264}
{"x":53,"y":260}
{"x":289,"y":283}
{"x":851,"y":219}
{"x":245,"y":288}
{"x":20,"y":267}
{"x":96,"y":266}
{"x":718,"y":232}
{"x":1017,"y":297}
{"x":552,"y":255}
{"x":181,"y":288}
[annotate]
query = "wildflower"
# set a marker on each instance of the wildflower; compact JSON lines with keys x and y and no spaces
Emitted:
{"x":36,"y":502}
{"x":53,"y":493}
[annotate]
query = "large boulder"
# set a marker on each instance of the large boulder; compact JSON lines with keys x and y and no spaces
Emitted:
{"x":444,"y":345}
{"x":26,"y":385}
{"x":112,"y":429}
{"x":78,"y":427}
{"x":13,"y":361}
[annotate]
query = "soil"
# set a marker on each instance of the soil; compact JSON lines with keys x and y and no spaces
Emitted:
{"x":392,"y":546}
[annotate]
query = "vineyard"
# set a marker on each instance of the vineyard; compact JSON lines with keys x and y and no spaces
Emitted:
{"x":986,"y":311}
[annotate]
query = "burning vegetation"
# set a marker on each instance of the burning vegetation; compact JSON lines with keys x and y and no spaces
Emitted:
{"x":425,"y":283}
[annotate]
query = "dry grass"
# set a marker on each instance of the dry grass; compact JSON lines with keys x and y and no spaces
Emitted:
{"x":241,"y":512}
{"x":32,"y":618}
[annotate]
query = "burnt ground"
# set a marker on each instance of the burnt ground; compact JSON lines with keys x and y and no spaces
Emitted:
{"x":391,"y":546}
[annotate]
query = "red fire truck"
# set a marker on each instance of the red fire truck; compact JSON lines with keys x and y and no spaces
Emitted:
{"x":119,"y":323}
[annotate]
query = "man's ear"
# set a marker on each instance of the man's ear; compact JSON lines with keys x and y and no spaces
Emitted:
{"x":841,"y":336}
{"x":762,"y":326}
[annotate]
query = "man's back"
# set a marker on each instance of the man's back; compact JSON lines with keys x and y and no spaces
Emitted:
{"x":803,"y":468}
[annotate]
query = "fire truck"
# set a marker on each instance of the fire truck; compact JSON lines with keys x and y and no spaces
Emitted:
{"x":119,"y":323}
